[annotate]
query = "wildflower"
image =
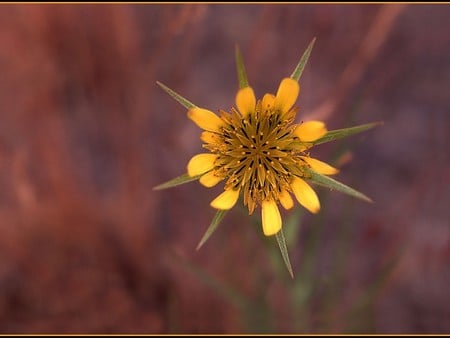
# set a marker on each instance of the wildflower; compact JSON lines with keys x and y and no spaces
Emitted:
{"x":260,"y":153}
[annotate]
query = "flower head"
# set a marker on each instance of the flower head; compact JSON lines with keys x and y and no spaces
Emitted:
{"x":260,"y":152}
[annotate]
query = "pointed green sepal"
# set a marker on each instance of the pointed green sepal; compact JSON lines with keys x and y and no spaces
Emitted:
{"x":212,"y":227}
{"x":185,"y":103}
{"x":341,"y":133}
{"x":242,"y":75}
{"x":185,"y":178}
{"x":335,"y":185}
{"x":303,"y":60}
{"x":284,"y":252}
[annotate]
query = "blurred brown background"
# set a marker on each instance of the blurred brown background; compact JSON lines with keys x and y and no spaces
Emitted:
{"x":87,"y":246}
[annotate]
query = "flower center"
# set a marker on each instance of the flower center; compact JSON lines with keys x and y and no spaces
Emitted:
{"x":257,"y":154}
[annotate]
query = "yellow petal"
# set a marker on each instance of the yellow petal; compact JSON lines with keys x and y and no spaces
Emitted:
{"x":286,"y":199}
{"x":271,"y":218}
{"x":305,"y":195}
{"x":267,"y":101}
{"x":210,"y":179}
{"x":209,"y":137}
{"x":246,"y":101}
{"x":205,"y":119}
{"x":310,"y":131}
{"x":319,"y":166}
{"x":200,"y":164}
{"x":225,"y":200}
{"x":286,"y":95}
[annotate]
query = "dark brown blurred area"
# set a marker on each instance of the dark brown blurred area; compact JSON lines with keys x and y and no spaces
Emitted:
{"x":86,"y":245}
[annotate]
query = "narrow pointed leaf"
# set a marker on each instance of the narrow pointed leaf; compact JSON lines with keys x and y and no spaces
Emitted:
{"x":335,"y":185}
{"x":185,"y":178}
{"x":185,"y":103}
{"x":341,"y":133}
{"x":303,"y":60}
{"x":212,"y":227}
{"x":284,"y":252}
{"x":242,"y":75}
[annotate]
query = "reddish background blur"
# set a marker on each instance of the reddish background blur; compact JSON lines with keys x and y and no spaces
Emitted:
{"x":86,"y":245}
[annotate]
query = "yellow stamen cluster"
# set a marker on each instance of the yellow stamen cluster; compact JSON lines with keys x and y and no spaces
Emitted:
{"x":258,"y":151}
{"x":256,"y":154}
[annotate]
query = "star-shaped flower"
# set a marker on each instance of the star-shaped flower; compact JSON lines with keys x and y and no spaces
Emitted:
{"x":261,"y":154}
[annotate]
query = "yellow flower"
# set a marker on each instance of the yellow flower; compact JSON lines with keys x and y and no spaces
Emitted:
{"x":260,"y":154}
